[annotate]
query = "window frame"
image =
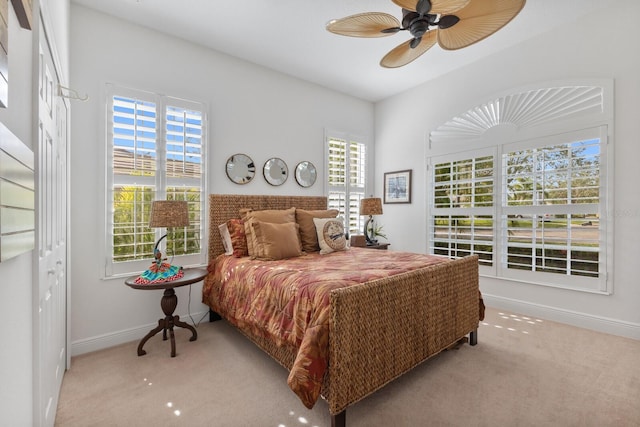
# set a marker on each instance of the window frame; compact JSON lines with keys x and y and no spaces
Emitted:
{"x":161,"y":181}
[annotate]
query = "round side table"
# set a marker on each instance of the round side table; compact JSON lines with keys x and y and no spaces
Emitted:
{"x":168,"y":303}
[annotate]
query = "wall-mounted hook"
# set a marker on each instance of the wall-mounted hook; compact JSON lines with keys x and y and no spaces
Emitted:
{"x":66,"y":92}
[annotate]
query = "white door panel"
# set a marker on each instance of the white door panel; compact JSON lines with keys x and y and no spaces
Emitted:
{"x":50,"y":335}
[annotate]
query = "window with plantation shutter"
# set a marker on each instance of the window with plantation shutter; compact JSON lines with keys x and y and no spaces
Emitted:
{"x":552,"y":206}
{"x":346,"y":178}
{"x":155,"y":152}
{"x":531,"y":210}
{"x":463,"y":220}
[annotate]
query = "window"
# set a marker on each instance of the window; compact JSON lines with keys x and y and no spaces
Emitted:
{"x":533,"y":209}
{"x":346,"y":178}
{"x":155,"y":152}
{"x":552,"y":205}
{"x":464,"y":215}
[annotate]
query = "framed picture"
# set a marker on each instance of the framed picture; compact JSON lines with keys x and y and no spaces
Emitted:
{"x":397,"y":187}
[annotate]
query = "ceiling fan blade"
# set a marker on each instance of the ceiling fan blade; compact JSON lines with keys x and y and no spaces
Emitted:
{"x":404,"y":54}
{"x":443,"y":7}
{"x":478,"y":20}
{"x":371,"y":24}
{"x":437,"y":6}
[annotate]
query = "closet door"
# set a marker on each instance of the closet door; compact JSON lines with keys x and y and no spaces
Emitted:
{"x":50,"y":325}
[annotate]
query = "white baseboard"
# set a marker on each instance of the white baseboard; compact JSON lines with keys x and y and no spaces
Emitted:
{"x":101,"y":342}
{"x":581,"y":320}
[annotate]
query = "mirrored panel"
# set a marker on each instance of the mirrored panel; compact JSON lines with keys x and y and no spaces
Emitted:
{"x":275,"y":171}
{"x":240,"y":168}
{"x":306,"y":174}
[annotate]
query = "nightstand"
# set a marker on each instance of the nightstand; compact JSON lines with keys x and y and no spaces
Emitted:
{"x":168,"y":303}
{"x":381,"y":246}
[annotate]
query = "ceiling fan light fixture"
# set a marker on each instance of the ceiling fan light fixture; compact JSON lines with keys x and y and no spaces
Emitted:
{"x":419,"y":27}
{"x":453,"y":24}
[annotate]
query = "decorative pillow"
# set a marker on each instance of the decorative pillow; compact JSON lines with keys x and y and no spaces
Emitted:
{"x":308,"y":234}
{"x":238,"y":237}
{"x":276,"y":216}
{"x":276,"y":241}
{"x":226,"y":239}
{"x":330,"y":234}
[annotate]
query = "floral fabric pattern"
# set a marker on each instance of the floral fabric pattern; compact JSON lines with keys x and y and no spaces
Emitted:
{"x":287,"y":301}
{"x":238,"y":237}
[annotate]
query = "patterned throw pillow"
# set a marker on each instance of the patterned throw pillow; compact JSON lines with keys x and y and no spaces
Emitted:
{"x":331,"y":236}
{"x":308,"y":234}
{"x":238,"y":237}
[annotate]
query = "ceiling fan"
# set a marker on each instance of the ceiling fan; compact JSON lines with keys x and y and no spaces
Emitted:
{"x":453,"y":24}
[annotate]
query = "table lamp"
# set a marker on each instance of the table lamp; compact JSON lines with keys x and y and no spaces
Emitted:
{"x":370,"y":206}
{"x":164,"y":214}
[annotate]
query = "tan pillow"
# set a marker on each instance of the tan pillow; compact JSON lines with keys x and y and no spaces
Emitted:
{"x":330,"y":234}
{"x":276,"y":216}
{"x":308,"y":234}
{"x":276,"y":241}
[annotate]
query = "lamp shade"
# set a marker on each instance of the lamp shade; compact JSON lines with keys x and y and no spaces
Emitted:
{"x":169,"y":213}
{"x":371,"y":206}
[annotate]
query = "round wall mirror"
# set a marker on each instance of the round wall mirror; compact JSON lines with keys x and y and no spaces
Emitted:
{"x":306,"y":174}
{"x":275,"y":171}
{"x":240,"y":168}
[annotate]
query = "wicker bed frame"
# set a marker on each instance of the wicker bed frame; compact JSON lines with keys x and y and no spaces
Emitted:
{"x":378,"y":330}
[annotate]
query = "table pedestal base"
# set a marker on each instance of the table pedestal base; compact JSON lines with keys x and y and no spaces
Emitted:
{"x":168,"y":303}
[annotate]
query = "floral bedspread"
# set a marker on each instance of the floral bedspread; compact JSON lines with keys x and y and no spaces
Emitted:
{"x":287,"y":301}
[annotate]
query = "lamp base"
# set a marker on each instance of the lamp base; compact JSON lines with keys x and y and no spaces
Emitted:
{"x":159,"y":271}
{"x":159,"y":274}
{"x":370,"y":241}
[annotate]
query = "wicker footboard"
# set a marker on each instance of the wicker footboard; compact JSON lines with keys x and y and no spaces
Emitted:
{"x":378,"y":330}
{"x":382,"y":329}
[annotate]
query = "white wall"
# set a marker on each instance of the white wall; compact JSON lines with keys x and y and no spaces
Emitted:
{"x":16,"y":273}
{"x":251,"y":109}
{"x":578,"y":50}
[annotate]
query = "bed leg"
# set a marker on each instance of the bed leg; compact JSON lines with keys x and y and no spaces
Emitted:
{"x":213,"y":316}
{"x":473,"y":337}
{"x":339,"y":420}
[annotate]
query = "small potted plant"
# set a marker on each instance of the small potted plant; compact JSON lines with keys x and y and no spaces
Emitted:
{"x":376,"y":231}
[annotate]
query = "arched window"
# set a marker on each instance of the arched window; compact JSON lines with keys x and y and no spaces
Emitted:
{"x":523,"y":182}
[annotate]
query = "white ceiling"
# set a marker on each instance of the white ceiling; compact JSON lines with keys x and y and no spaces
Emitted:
{"x":289,"y":36}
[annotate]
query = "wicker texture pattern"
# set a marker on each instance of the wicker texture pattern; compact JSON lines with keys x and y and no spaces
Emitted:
{"x":378,"y":330}
{"x":384,"y":328}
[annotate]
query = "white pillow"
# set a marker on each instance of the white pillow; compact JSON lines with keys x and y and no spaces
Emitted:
{"x":226,"y":239}
{"x":330,"y":234}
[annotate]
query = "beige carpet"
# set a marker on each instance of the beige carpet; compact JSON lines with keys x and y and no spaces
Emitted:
{"x":523,"y":372}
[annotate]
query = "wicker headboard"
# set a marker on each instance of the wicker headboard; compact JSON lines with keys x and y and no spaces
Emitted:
{"x":223,"y":207}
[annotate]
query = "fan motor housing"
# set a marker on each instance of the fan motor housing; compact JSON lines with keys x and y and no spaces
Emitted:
{"x":416,"y":24}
